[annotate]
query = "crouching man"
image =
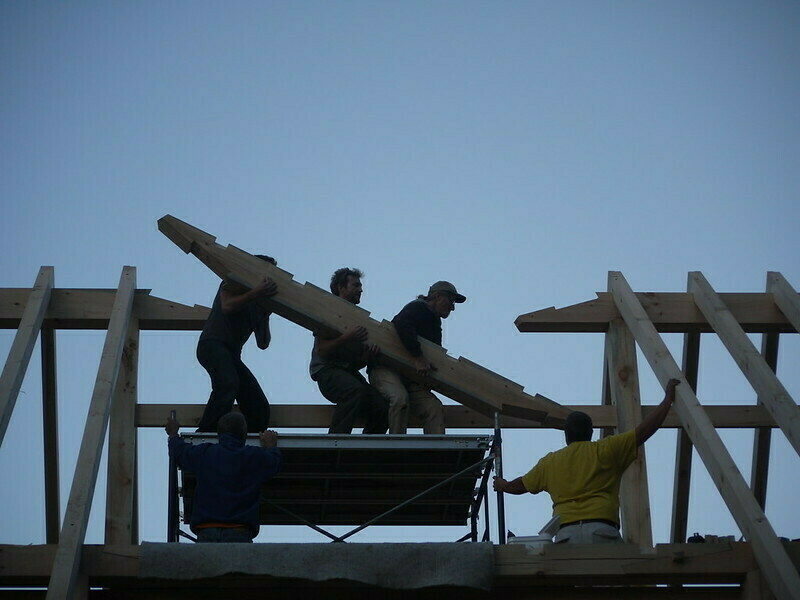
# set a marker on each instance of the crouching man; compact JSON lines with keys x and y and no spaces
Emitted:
{"x":229,"y":478}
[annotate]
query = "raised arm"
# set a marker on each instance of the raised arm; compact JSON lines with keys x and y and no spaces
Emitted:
{"x":653,"y":421}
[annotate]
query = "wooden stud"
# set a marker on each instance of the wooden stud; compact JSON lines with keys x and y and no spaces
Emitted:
{"x":52,"y":494}
{"x":290,"y":416}
{"x":22,"y":347}
{"x":762,"y":438}
{"x":670,"y":312}
{"x":623,"y":378}
{"x":786,"y":297}
{"x":684,"y":449}
{"x":66,"y":564}
{"x":769,"y":388}
{"x":771,"y":555}
{"x":72,"y":308}
{"x":121,"y":480}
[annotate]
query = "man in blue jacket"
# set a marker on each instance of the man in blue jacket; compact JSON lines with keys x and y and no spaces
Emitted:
{"x":229,"y":478}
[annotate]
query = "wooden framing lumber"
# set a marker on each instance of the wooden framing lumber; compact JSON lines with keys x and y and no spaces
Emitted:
{"x":778,"y":569}
{"x":291,"y":416}
{"x":52,"y":495}
{"x":762,"y":438}
{"x":326,"y":314}
{"x":684,"y":449}
{"x":785,"y":296}
{"x":66,"y":564}
{"x":71,"y":308}
{"x":670,"y":312}
{"x":121,"y":479}
{"x":769,"y":388}
{"x":22,"y":347}
{"x":623,"y":379}
{"x":117,"y":567}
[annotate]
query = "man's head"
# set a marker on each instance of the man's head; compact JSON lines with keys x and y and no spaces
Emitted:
{"x":578,"y":427}
{"x":442,"y":298}
{"x":269,"y":259}
{"x":346,"y":283}
{"x":233,"y":424}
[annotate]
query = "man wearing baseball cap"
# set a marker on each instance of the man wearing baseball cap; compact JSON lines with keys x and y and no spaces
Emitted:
{"x":421,"y":317}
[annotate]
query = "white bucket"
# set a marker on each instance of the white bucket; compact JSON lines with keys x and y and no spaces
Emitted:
{"x":531,"y":541}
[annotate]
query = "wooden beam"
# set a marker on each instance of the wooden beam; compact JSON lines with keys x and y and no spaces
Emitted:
{"x":759,"y":469}
{"x":623,"y":378}
{"x":71,"y":308}
{"x":684,"y":449}
{"x":121,"y":480}
{"x":770,"y":553}
{"x":769,"y":388}
{"x":785,"y":296}
{"x":52,"y":494}
{"x":117,"y":567}
{"x":670,"y":312}
{"x":66,"y":564}
{"x":22,"y":347}
{"x":322,"y":312}
{"x":292,"y":416}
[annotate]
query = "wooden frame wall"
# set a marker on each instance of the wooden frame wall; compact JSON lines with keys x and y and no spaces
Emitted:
{"x":626,"y":317}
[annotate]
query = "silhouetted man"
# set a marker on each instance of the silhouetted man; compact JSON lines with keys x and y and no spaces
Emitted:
{"x":234,"y":316}
{"x":229,"y":478}
{"x":336,"y":362}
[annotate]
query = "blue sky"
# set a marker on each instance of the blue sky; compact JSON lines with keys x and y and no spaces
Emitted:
{"x":519,"y":149}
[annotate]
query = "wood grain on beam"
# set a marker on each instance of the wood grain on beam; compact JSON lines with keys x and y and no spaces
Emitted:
{"x":91,"y":309}
{"x":769,"y":388}
{"x":324,"y":313}
{"x":623,"y":379}
{"x":770,"y":553}
{"x":22,"y":347}
{"x":670,"y":312}
{"x":66,"y":564}
{"x":121,"y":489}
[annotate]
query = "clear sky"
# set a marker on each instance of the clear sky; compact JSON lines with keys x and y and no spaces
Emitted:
{"x":520,"y":150}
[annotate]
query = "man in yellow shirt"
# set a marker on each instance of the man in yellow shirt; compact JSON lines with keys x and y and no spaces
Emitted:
{"x":583,"y":478}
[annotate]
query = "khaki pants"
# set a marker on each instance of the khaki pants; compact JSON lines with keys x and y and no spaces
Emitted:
{"x":407,"y":397}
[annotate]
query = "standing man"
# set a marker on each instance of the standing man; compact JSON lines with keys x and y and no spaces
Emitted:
{"x":229,"y":478}
{"x":234,"y":316}
{"x":421,"y":317}
{"x":583,"y":478}
{"x":336,"y":362}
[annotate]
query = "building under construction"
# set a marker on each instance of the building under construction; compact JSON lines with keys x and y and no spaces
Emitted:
{"x":444,"y":479}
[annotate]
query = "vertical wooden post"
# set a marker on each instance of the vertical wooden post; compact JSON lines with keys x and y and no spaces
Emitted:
{"x":623,"y":379}
{"x":52,"y":495}
{"x":66,"y":564}
{"x":22,"y":347}
{"x":772,"y":558}
{"x":683,"y":450}
{"x":121,"y":485}
{"x":759,"y":470}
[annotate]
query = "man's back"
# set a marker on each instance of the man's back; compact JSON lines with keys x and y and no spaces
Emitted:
{"x":583,"y":478}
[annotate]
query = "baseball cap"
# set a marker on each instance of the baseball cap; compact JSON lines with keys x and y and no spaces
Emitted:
{"x":449,"y":288}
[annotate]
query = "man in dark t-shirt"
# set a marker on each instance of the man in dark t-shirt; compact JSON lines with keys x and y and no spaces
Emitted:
{"x":234,"y":317}
{"x":419,"y":318}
